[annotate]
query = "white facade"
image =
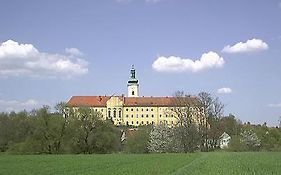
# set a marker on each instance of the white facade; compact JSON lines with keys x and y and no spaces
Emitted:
{"x":133,"y":90}
{"x":224,"y":140}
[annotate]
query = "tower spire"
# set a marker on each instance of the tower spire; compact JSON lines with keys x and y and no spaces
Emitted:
{"x":133,"y":86}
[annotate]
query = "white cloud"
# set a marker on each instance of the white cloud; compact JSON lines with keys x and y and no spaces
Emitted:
{"x":208,"y":60}
{"x":15,"y":105}
{"x":25,"y":60}
{"x":277,"y":105}
{"x":73,"y":51}
{"x":224,"y":90}
{"x":253,"y":45}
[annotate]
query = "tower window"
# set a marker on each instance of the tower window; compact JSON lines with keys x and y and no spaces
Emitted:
{"x":133,"y":92}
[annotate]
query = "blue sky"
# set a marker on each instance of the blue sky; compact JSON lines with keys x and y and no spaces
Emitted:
{"x":52,"y":50}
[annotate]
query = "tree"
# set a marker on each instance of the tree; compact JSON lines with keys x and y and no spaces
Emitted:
{"x":251,"y":140}
{"x":82,"y":123}
{"x":230,"y":125}
{"x":236,"y":144}
{"x":160,"y":139}
{"x":209,"y":128}
{"x":187,"y":112}
{"x":137,"y":141}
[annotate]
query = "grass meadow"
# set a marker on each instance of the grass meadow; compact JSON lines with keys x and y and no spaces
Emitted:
{"x":197,"y":163}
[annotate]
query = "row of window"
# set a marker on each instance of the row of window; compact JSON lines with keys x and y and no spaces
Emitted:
{"x":147,"y":122}
{"x":140,"y":116}
{"x":132,"y":116}
{"x":141,"y":123}
{"x":137,"y":109}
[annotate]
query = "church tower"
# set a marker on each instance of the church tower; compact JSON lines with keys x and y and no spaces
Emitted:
{"x":133,"y":85}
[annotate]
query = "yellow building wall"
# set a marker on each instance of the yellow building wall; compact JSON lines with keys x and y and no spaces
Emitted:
{"x":141,"y":115}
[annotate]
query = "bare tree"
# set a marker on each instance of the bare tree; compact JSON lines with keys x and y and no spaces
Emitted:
{"x":209,"y":129}
{"x":186,"y":112}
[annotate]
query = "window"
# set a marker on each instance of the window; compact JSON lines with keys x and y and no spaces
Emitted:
{"x":133,"y":92}
{"x":101,"y":110}
{"x":142,"y":115}
{"x":146,"y":115}
{"x":141,"y":109}
{"x":152,"y":122}
{"x":127,"y":123}
{"x":160,"y":115}
{"x":137,"y":115}
{"x":127,"y":109}
{"x":146,"y":109}
{"x":132,"y":116}
{"x":166,"y":115}
{"x":172,"y":122}
{"x":132,"y":122}
{"x":119,"y":123}
{"x":109,"y":114}
{"x":137,"y":109}
{"x":114,"y":113}
{"x":147,"y":122}
{"x":152,"y":115}
{"x":132,"y":109}
{"x":151,"y":109}
{"x":127,"y":116}
{"x":119,"y":114}
{"x":137,"y":122}
{"x":142,"y":122}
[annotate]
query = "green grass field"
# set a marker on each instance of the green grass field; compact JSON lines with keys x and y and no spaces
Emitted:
{"x":197,"y":163}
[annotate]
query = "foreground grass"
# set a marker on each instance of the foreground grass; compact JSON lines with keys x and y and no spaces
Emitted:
{"x":94,"y":164}
{"x":198,"y":163}
{"x":222,"y":163}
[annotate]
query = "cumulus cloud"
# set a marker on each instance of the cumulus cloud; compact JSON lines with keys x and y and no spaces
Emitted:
{"x":277,"y":105}
{"x":73,"y":51}
{"x":253,"y":45}
{"x":208,"y":60}
{"x":15,"y":105}
{"x":224,"y":90}
{"x":25,"y":60}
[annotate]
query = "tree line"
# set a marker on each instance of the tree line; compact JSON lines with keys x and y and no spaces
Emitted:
{"x":44,"y":132}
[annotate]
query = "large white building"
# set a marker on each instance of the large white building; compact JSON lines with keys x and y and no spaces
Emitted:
{"x":135,"y":110}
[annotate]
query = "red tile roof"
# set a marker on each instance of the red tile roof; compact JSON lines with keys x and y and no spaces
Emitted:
{"x":100,"y":101}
